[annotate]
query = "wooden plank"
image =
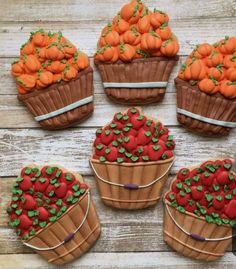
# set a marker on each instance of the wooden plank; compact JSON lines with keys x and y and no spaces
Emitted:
{"x":72,"y":148}
{"x":148,"y":260}
{"x":34,"y":10}
{"x":84,"y":34}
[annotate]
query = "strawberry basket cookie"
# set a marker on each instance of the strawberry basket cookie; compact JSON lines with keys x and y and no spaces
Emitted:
{"x":136,"y":54}
{"x":54,"y":80}
{"x":200,"y":210}
{"x":206,"y":89}
{"x":132,"y":157}
{"x":53,"y":213}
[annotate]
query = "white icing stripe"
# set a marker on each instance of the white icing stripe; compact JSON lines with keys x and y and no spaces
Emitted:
{"x":65,"y":109}
{"x":141,"y":85}
{"x":207,"y":120}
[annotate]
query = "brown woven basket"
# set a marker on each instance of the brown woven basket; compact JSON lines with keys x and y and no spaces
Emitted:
{"x":193,"y":237}
{"x":210,"y":115}
{"x":141,"y":81}
{"x":131,"y":186}
{"x":64,"y":104}
{"x":70,"y":236}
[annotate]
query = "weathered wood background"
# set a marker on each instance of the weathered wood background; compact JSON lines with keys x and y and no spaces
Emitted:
{"x":129,"y":239}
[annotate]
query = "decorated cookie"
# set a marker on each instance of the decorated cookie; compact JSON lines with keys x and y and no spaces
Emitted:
{"x":132,"y":156}
{"x":136,"y":53}
{"x":51,"y":207}
{"x":200,"y":210}
{"x":54,"y":80}
{"x":206,"y":88}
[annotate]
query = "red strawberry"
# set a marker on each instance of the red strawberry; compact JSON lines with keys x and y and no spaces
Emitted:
{"x":68,"y":197}
{"x":176,"y":186}
{"x":97,"y":141}
{"x":155,"y":152}
{"x":206,"y":200}
{"x":227,"y":164}
{"x":133,"y":112}
{"x":106,"y":137}
{"x":25,"y":183}
{"x":68,"y":178}
{"x":230,"y":209}
{"x":183,"y":173}
{"x":138,"y":121}
{"x":43,"y":213}
{"x":218,"y":202}
{"x":182,"y":198}
{"x":118,"y":120}
{"x":223,"y":178}
{"x":41,"y":184}
{"x":207,"y":178}
{"x":100,"y":150}
{"x":162,"y":131}
{"x":197,"y":192}
{"x":61,"y":189}
{"x":129,"y":143}
{"x":128,"y":130}
{"x":50,"y":191}
{"x":125,"y":119}
{"x":170,"y":145}
{"x":28,"y":202}
{"x":207,"y":164}
{"x":25,"y":222}
{"x":170,"y":196}
{"x":191,"y":206}
{"x":117,"y":134}
{"x":29,"y":171}
{"x":167,"y":155}
{"x":144,"y":137}
{"x":194,"y":172}
{"x":149,"y":126}
{"x":111,"y":154}
{"x":98,"y":132}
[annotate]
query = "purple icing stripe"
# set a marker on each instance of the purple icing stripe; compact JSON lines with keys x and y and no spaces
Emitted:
{"x":131,"y":186}
{"x":69,"y":237}
{"x":197,"y":237}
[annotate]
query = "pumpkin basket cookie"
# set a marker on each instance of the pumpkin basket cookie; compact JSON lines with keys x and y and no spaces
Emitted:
{"x":206,"y":89}
{"x":136,"y":54}
{"x":53,"y":213}
{"x":131,"y":160}
{"x":54,"y":80}
{"x":200,"y":210}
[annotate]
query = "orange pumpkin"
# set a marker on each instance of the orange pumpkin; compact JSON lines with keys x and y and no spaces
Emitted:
{"x":112,"y":38}
{"x":26,"y":81}
{"x":132,"y":37}
{"x":230,"y":61}
{"x":69,"y":73}
{"x":170,"y":47}
{"x":126,"y":52}
{"x":227,"y":45}
{"x":28,"y":48}
{"x":55,"y":66}
{"x":41,"y":54}
{"x":230,"y":74}
{"x":208,"y":86}
{"x":164,"y":31}
{"x":17,"y":68}
{"x":144,"y":24}
{"x":120,"y":25}
{"x":81,"y":60}
{"x":69,"y":50}
{"x":203,"y":50}
{"x":106,"y":54}
{"x":150,"y":41}
{"x":216,"y":73}
{"x":130,"y":12}
{"x":21,"y":89}
{"x":31,"y":63}
{"x":228,"y":89}
{"x":214,"y":59}
{"x":158,"y":18}
{"x":57,"y":77}
{"x":40,"y":38}
{"x":54,"y":52}
{"x":57,"y":38}
{"x":45,"y":78}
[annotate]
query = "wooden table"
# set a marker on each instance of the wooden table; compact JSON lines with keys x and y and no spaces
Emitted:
{"x":129,"y":239}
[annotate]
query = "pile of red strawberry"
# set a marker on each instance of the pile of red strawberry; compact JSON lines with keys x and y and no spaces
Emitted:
{"x":40,"y":196}
{"x":131,"y":138}
{"x":208,"y":191}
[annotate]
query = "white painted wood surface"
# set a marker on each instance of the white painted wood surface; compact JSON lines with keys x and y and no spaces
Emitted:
{"x":129,"y":239}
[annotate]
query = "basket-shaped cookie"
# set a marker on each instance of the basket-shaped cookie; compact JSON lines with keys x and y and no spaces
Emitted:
{"x":54,"y":81}
{"x":136,"y":54}
{"x":53,"y":213}
{"x":200,"y":211}
{"x":206,"y":89}
{"x":131,"y":161}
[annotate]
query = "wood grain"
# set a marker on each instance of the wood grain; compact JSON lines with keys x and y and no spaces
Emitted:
{"x":148,"y":260}
{"x":33,"y":10}
{"x":72,"y":148}
{"x":85,"y":34}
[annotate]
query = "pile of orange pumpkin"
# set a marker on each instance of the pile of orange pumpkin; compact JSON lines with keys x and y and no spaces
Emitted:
{"x":136,"y":32}
{"x":47,"y":58}
{"x":213,"y":68}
